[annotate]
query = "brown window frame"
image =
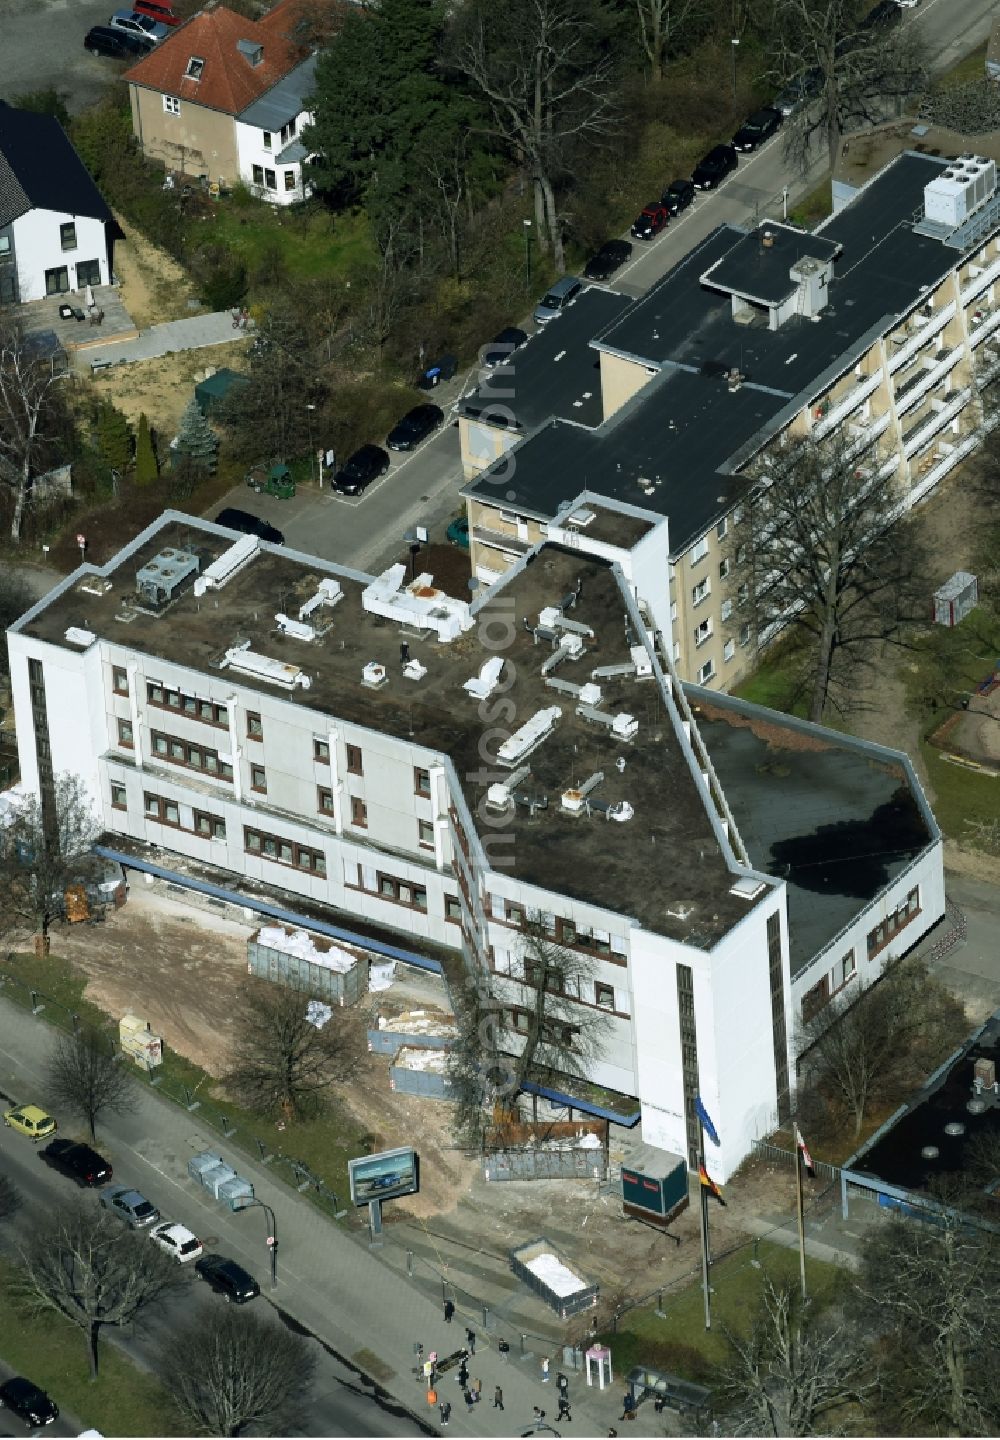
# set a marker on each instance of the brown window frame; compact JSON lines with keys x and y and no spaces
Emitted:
{"x":215,"y":823}
{"x":119,"y":679}
{"x":388,"y":887}
{"x":425,"y":844}
{"x":123,"y":726}
{"x":154,"y":807}
{"x":420,"y":776}
{"x":315,"y":860}
{"x":600,"y":985}
{"x":355,"y":760}
{"x":192,"y":707}
{"x":118,"y":788}
{"x":359,"y":806}
{"x":453,"y":909}
{"x":255,"y":726}
{"x":886,"y":930}
{"x":223,"y":769}
{"x":321,"y":751}
{"x":258,"y":779}
{"x":324,"y":794}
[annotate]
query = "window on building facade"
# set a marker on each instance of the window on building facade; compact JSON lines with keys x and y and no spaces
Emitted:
{"x":703,"y":631}
{"x":267,"y":139}
{"x":194,"y":68}
{"x":728,"y":650}
{"x":67,"y":235}
{"x":195,"y":757}
{"x":284,"y":852}
{"x":701,"y":591}
{"x":57,"y":280}
{"x":162,"y":810}
{"x":321,"y":751}
{"x":257,"y":174}
{"x":213,"y":827}
{"x":290,"y":181}
{"x":425,"y":832}
{"x":119,"y":797}
{"x":287,"y":131}
{"x":726,"y":609}
{"x":707,"y":672}
{"x":452,"y":908}
{"x":359,"y":811}
{"x":171,"y":105}
{"x":698,"y":551}
{"x":604,"y":995}
{"x":744,"y":634}
{"x":119,"y":680}
{"x":324,"y":800}
{"x":904,"y":912}
{"x":421,"y":781}
{"x":355,"y":760}
{"x":255,"y":728}
{"x":258,"y":779}
{"x":724,"y":568}
{"x":205,"y":711}
{"x":125,"y":734}
{"x":721,"y":528}
{"x":270,"y":180}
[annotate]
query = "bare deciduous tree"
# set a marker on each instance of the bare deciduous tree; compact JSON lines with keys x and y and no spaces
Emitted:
{"x":234,"y":1370}
{"x":10,"y":1198}
{"x":88,"y":1077}
{"x":931,"y":1291}
{"x":793,"y":1370}
{"x":822,"y":549}
{"x":853,"y":73}
{"x":546,"y":82}
{"x":47,"y":848}
{"x":280,"y":1059}
{"x":84,"y":1264}
{"x":662,"y":22}
{"x":30,"y":414}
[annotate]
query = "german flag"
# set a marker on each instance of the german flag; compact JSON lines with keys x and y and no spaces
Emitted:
{"x":710,"y":1184}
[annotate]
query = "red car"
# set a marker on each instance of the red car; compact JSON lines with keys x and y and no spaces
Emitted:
{"x":156,"y":10}
{"x":652,"y":220}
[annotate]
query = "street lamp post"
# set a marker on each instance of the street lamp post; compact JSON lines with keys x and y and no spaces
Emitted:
{"x":527,"y":256}
{"x":272,"y":1235}
{"x":736,"y":41}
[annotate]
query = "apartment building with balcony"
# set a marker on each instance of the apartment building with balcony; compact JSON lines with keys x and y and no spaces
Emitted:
{"x":882,"y":324}
{"x":420,"y":774}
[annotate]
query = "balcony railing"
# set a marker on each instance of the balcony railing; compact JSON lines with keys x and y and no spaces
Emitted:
{"x":918,"y":331}
{"x":846,"y":403}
{"x":498,"y":540}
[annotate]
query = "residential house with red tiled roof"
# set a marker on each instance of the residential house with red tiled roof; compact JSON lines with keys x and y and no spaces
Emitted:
{"x":225,"y":99}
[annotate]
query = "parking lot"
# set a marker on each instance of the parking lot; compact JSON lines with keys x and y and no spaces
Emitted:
{"x":43,"y":47}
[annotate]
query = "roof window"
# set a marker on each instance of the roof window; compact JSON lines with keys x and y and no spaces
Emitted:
{"x":194,"y":68}
{"x":251,"y":50}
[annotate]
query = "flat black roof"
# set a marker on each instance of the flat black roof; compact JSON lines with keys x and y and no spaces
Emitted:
{"x":555,"y":374}
{"x":835,"y":819}
{"x":674,"y":447}
{"x":758,"y":265}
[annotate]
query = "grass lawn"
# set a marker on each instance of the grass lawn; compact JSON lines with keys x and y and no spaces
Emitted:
{"x":970,"y":67}
{"x":124,"y":1400}
{"x":325,"y":1144}
{"x":680,"y":1343}
{"x":312,"y":242}
{"x":773,"y":683}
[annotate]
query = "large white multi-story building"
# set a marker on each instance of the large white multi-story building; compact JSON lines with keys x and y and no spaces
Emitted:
{"x":369,"y":754}
{"x":882,"y":324}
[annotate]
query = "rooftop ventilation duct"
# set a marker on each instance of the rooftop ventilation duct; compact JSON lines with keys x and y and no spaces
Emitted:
{"x":575,"y":798}
{"x":500,"y":796}
{"x":229,"y":563}
{"x":262,"y":667}
{"x":329,"y":593}
{"x":419,"y":606}
{"x":529,"y":736}
{"x":295,"y":629}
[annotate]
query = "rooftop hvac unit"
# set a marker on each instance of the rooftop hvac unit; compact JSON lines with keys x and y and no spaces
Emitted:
{"x":329,"y":593}
{"x":373,"y":675}
{"x":295,"y":629}
{"x":229,"y":563}
{"x":500,"y":796}
{"x":159,"y":580}
{"x":262,"y":667}
{"x":959,"y":190}
{"x":529,"y":736}
{"x":575,"y":798}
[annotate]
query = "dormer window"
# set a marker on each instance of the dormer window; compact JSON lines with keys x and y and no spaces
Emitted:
{"x":194,"y":68}
{"x":252,"y":51}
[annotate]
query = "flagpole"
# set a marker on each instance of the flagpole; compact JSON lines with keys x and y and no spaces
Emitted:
{"x":800,"y":1205}
{"x":703,"y":1199}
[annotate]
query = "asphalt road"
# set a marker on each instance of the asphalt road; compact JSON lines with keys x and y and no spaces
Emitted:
{"x":43,"y":47}
{"x":339,"y":1404}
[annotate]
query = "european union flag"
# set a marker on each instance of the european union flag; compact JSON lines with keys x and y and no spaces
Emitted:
{"x":706,"y":1122}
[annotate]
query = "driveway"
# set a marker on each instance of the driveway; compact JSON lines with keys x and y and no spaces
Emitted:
{"x":43,"y":47}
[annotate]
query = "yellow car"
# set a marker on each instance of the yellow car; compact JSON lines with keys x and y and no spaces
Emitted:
{"x":30,"y":1121}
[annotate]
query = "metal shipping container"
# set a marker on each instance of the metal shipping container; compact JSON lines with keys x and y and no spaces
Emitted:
{"x":544,"y":1165}
{"x":334,"y":986}
{"x":585,"y":1298}
{"x":389,"y":1040}
{"x":956,"y":598}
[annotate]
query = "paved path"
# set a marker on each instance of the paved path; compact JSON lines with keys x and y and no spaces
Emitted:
{"x":340,"y":1291}
{"x":195,"y":333}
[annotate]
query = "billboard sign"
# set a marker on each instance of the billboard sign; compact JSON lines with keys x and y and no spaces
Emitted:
{"x":384,"y":1176}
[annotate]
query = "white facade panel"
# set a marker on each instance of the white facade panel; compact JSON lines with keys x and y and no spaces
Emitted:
{"x":251,"y":151}
{"x":38,"y":248}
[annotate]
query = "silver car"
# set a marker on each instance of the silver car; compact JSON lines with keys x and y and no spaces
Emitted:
{"x":129,"y":1206}
{"x":142,"y":25}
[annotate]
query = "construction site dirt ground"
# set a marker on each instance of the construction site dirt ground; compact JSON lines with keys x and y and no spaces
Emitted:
{"x":181,"y":966}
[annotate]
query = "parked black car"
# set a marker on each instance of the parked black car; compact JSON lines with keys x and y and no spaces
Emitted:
{"x":677,"y":196}
{"x":760,"y":126}
{"x":611,"y":257}
{"x":502,"y":347}
{"x":883,"y":16}
{"x":415,"y":426}
{"x":116,"y":44}
{"x":248,"y":524}
{"x":28,"y":1403}
{"x":364,"y":466}
{"x":714,"y":168}
{"x":79,"y":1162}
{"x":795,"y":94}
{"x":227,"y":1278}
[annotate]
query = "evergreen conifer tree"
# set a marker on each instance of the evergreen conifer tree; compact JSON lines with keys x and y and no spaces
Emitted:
{"x":114,"y":437}
{"x":146,"y":466}
{"x":196,"y":440}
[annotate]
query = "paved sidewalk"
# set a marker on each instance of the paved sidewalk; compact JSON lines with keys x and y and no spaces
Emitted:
{"x":195,"y":333}
{"x":370,"y":1315}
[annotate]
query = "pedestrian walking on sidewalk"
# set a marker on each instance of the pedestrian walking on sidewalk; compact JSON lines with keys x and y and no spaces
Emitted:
{"x":628,"y":1405}
{"x":469,"y":1401}
{"x":563,"y":1384}
{"x":498,"y":1398}
{"x":545,"y":1371}
{"x":428,"y":1368}
{"x":449,"y":1310}
{"x":504,"y":1349}
{"x":433,"y":1358}
{"x":463,"y":1375}
{"x":470,"y":1336}
{"x":477,"y":1389}
{"x":445,"y":1411}
{"x":564,"y":1410}
{"x":539,"y":1414}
